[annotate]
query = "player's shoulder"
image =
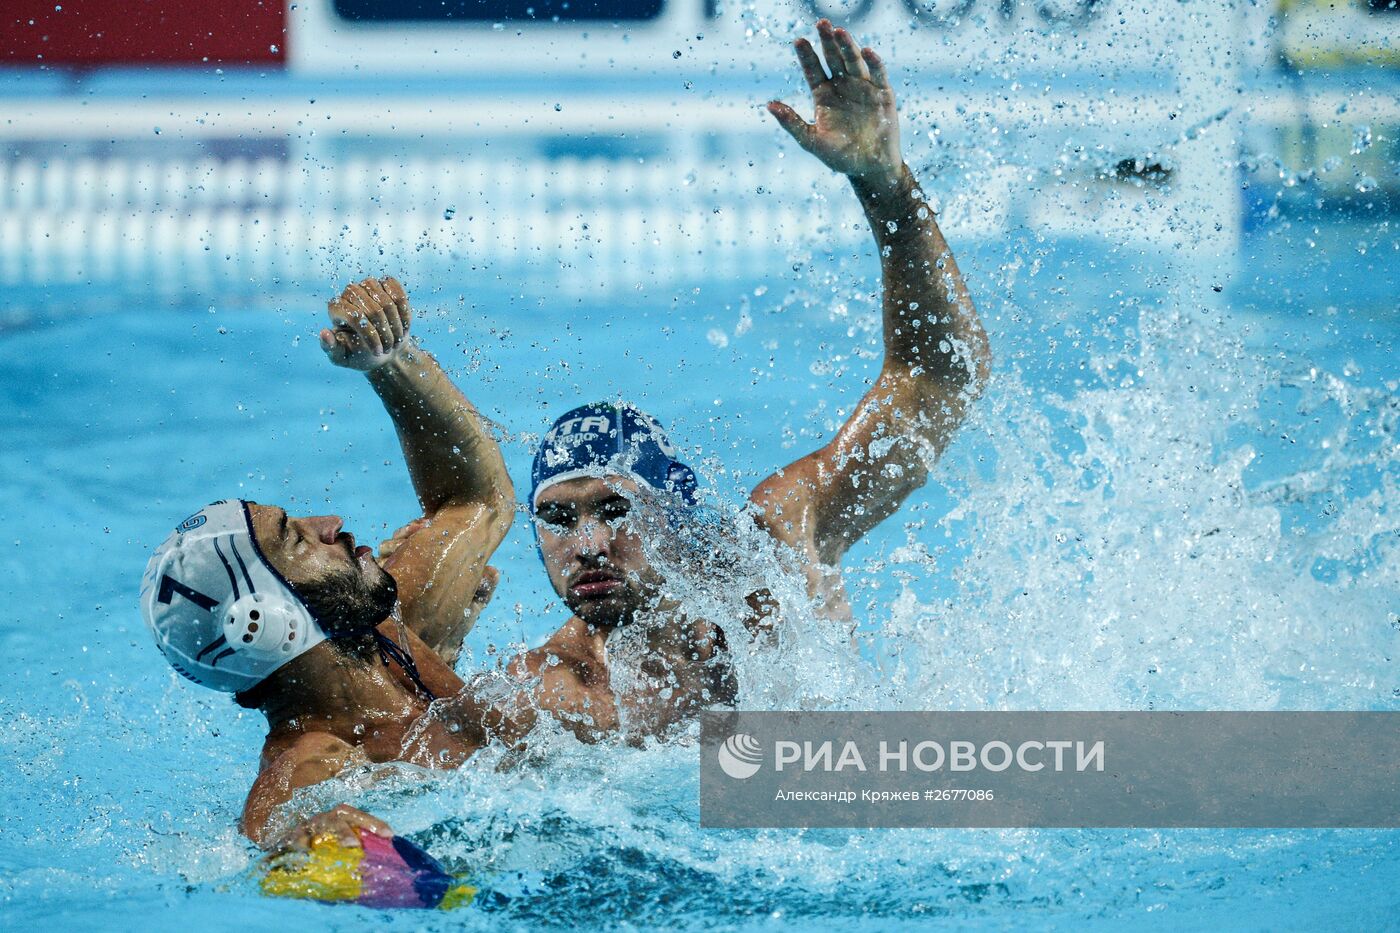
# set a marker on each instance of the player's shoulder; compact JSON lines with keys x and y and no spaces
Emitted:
{"x":782,"y":502}
{"x":561,"y":655}
{"x":291,"y":748}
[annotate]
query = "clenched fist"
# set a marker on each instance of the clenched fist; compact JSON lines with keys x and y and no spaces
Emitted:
{"x":369,"y":324}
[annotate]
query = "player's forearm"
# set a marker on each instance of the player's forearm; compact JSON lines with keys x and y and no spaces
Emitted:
{"x":491,"y":708}
{"x":314,"y":759}
{"x":451,"y":457}
{"x":931,"y":326}
{"x":269,"y":792}
{"x":256,"y":813}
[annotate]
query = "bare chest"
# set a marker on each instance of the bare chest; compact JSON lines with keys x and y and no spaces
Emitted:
{"x":659,"y":694}
{"x":423,"y":740}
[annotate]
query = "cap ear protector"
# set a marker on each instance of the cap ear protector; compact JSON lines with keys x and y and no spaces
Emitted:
{"x":259,"y":626}
{"x":219,"y":611}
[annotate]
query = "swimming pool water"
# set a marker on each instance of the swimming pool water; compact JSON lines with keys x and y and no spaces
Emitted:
{"x":1172,"y":497}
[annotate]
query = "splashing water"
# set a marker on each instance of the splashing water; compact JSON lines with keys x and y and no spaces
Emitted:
{"x":1140,"y":541}
{"x":1164,"y":516}
{"x":1170,"y":497}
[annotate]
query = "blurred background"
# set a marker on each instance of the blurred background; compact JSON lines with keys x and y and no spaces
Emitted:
{"x":1179,"y":222}
{"x":239,"y":147}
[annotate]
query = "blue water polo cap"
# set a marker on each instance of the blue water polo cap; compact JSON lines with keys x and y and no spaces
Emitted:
{"x":610,"y":438}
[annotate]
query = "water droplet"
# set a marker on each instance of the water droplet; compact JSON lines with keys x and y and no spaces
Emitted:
{"x":558,"y":107}
{"x":1360,"y":140}
{"x":1366,"y":184}
{"x":676,"y":53}
{"x":449,"y":213}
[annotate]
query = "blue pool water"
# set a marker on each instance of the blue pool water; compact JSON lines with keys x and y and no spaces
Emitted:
{"x":1180,"y":492}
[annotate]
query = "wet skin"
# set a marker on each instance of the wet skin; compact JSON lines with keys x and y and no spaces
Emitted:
{"x":341,"y":702}
{"x":936,"y":361}
{"x":341,"y":705}
{"x":313,"y":547}
{"x":590,"y":535}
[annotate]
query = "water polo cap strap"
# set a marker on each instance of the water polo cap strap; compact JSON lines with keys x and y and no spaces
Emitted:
{"x":389,"y":649}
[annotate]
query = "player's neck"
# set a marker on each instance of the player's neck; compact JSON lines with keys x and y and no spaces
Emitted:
{"x":592,"y":638}
{"x":665,"y":631}
{"x":333,"y":688}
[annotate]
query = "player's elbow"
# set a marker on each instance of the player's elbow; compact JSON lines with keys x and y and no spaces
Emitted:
{"x":967,"y":363}
{"x":979,"y":365}
{"x":959,"y":368}
{"x":253,"y":824}
{"x":975,"y":372}
{"x":495,"y":493}
{"x":499,"y":508}
{"x":489,"y":515}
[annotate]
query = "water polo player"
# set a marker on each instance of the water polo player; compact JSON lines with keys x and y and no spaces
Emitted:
{"x":296,"y":620}
{"x":608,"y":489}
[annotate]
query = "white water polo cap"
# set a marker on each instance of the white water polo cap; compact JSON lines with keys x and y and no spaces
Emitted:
{"x":220,"y":613}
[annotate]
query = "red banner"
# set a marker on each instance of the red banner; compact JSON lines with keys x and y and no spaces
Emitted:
{"x":143,"y":32}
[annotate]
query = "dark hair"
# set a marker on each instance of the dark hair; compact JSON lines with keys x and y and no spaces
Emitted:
{"x":254,"y":697}
{"x":345,"y":607}
{"x":344,"y":603}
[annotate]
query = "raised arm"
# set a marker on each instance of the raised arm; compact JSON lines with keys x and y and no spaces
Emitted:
{"x":455,"y":465}
{"x":936,"y":354}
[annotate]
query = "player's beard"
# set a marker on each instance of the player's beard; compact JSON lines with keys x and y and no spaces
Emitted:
{"x":634,"y":598}
{"x":349,"y":602}
{"x":609,"y":612}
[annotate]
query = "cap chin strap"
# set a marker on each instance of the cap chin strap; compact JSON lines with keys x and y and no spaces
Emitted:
{"x":387,"y":649}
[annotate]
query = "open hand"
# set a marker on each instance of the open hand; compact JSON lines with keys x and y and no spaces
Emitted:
{"x":369,"y":324}
{"x":857,"y":129}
